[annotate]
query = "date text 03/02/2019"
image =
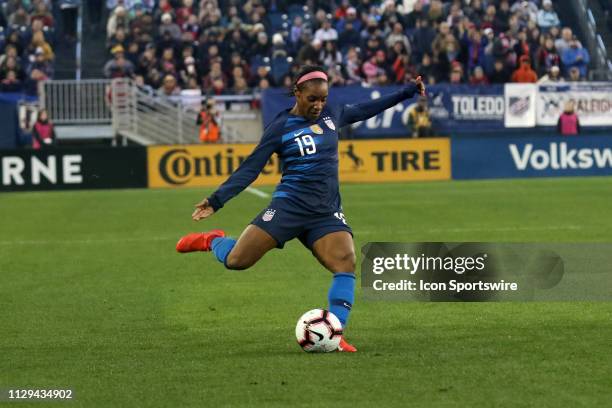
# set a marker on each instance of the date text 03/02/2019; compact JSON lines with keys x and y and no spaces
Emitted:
{"x":453,"y":285}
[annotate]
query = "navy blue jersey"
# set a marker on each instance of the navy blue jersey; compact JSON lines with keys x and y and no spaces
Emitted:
{"x":308,"y":151}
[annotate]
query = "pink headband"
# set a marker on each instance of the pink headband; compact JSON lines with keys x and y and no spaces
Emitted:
{"x":312,"y":75}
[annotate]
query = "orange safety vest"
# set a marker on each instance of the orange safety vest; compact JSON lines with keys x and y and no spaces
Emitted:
{"x":209,"y":130}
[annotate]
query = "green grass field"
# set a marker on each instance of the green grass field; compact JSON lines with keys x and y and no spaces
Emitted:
{"x":94,"y":298}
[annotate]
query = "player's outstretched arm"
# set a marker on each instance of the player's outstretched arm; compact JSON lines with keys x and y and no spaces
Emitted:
{"x":241,"y":178}
{"x":362,"y":111}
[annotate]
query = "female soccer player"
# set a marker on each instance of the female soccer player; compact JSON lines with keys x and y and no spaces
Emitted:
{"x":306,"y":203}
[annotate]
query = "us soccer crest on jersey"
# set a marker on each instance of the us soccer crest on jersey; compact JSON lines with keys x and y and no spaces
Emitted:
{"x":329,"y":122}
{"x":268,"y":215}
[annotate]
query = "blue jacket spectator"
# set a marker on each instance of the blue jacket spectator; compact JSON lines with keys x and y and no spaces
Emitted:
{"x":575,"y":56}
{"x":547,"y":17}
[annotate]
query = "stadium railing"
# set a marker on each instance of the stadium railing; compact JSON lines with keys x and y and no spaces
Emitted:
{"x":79,"y":109}
{"x":149,"y":117}
{"x":101,"y":108}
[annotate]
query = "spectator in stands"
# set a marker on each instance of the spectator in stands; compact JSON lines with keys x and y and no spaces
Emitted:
{"x":118,"y":18}
{"x":43,"y":131}
{"x":168,"y":26}
{"x":19,"y":18}
{"x":279,"y":48}
{"x":353,"y":66}
{"x":296,"y":31}
{"x":397,"y":35}
{"x":412,"y":17}
{"x":208,"y":119}
{"x":349,"y":37}
{"x":400,"y":63}
{"x":119,"y":38}
{"x":10,"y":51}
{"x":262,"y":72}
{"x":11,"y":64}
{"x":350,"y":18}
{"x":547,"y":56}
{"x":553,"y":76}
{"x":568,"y":123}
{"x":564,"y":42}
{"x":309,"y":53}
{"x":526,"y":11}
{"x":524,"y":73}
{"x":188,"y":71}
{"x":475,"y":51}
{"x":335,"y":76}
{"x":576,"y":56}
{"x":326,"y":32}
{"x":502,"y":17}
{"x":42,"y":13}
{"x":40,"y":69}
{"x":547,"y":17}
{"x":118,"y":67}
{"x":375,"y":69}
{"x":456,"y":73}
{"x":419,"y":120}
{"x":262,"y":45}
{"x":10,"y":82}
{"x":38,"y":41}
{"x":170,"y":88}
{"x":215,"y":80}
{"x":426,"y":69}
{"x":423,"y":38}
{"x":478,"y":77}
{"x":522,"y":47}
{"x":330,"y":56}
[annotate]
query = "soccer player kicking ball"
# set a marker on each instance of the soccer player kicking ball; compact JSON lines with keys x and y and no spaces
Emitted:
{"x":306,"y":203}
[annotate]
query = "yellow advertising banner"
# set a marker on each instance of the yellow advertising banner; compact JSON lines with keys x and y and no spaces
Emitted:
{"x":360,"y":161}
{"x":394,"y":160}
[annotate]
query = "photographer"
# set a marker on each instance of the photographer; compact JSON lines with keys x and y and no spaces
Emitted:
{"x":208,"y":119}
{"x":419,"y":120}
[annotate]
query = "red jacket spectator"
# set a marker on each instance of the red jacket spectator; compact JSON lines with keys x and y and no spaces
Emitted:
{"x":524,"y":73}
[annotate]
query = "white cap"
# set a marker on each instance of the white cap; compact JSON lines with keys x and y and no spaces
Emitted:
{"x":277,"y":38}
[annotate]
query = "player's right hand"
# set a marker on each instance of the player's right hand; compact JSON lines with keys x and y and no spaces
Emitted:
{"x":203,"y":210}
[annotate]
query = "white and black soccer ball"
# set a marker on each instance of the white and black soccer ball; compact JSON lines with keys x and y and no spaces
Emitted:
{"x":318,"y":331}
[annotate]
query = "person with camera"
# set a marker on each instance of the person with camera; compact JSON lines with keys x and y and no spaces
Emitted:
{"x":208,"y":119}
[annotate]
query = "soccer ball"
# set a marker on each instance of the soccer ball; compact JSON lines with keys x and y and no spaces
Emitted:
{"x":318,"y":331}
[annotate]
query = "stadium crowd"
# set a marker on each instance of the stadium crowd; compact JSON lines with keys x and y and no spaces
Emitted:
{"x":27,"y":35}
{"x":227,"y":46}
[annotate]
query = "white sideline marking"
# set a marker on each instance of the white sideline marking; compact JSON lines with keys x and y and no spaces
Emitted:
{"x":84,"y":241}
{"x":257,"y":192}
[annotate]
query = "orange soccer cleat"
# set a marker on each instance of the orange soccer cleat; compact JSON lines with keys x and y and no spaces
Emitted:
{"x":198,"y":241}
{"x":345,"y":347}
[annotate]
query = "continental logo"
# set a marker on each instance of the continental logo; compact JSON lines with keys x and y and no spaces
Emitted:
{"x":202,"y":165}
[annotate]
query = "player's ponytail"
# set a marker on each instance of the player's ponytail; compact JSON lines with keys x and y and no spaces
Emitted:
{"x":298,"y":81}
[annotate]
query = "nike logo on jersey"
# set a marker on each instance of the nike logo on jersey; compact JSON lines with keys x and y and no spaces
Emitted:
{"x":298,"y":133}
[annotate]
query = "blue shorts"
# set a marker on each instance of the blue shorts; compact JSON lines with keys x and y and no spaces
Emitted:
{"x":283,"y":224}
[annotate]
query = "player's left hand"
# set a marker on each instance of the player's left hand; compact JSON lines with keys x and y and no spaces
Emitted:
{"x":420,"y":85}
